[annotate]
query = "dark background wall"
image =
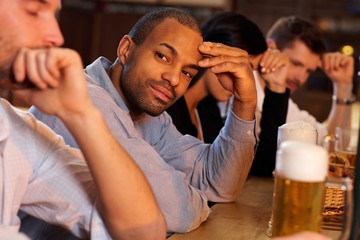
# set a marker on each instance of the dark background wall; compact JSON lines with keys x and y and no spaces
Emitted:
{"x":94,"y":29}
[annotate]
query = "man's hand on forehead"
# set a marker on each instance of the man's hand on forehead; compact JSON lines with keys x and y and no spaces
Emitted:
{"x":215,"y":54}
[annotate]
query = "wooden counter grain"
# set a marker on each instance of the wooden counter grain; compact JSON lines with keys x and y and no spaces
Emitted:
{"x":245,"y":219}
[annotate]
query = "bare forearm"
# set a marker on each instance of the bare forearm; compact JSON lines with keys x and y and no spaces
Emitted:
{"x":340,"y":114}
{"x":128,"y":205}
{"x":340,"y":69}
{"x":244,"y":111}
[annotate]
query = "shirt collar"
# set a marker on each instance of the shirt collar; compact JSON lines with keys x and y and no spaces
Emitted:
{"x":97,"y":74}
{"x":4,"y":122}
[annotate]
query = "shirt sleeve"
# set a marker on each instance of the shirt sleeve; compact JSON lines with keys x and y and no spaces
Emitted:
{"x":219,"y":169}
{"x":55,"y":124}
{"x":49,"y":180}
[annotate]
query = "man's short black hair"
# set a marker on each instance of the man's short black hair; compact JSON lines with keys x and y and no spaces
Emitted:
{"x":149,"y":21}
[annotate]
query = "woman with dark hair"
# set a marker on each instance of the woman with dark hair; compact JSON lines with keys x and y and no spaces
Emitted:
{"x":197,"y":112}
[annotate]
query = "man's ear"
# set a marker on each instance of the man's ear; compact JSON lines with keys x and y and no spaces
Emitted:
{"x":126,"y":44}
{"x":271,"y":43}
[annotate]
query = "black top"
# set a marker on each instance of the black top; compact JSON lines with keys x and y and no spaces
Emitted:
{"x":209,"y":115}
{"x":274,"y":113}
{"x":181,"y":117}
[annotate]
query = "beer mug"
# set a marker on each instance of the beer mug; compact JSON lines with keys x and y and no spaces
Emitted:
{"x":299,"y":131}
{"x":300,"y":181}
{"x":342,"y":148}
{"x":346,"y":141}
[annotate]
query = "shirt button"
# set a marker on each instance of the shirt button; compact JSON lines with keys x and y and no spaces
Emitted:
{"x":249,"y":132}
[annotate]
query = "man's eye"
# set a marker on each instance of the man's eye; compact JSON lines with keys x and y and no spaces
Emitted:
{"x":296,"y":63}
{"x":309,"y":71}
{"x":162,"y":56}
{"x":33,"y":13}
{"x":187,"y":74}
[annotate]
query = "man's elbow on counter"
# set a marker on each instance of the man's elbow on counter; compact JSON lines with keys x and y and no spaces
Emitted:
{"x":154,"y":230}
{"x":188,"y":220}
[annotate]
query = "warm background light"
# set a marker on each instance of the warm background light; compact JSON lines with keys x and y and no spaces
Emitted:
{"x":347,"y":50}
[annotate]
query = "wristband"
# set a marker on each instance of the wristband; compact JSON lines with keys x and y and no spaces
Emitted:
{"x":341,"y":101}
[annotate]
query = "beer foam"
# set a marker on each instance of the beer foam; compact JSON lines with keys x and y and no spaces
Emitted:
{"x":299,"y":130}
{"x":301,"y":161}
{"x":298,"y":125}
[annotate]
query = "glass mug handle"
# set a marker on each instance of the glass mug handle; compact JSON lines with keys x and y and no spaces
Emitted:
{"x":346,"y":186}
{"x":328,"y":142}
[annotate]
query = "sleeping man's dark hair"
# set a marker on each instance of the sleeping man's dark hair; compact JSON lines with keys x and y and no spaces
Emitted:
{"x":288,"y":29}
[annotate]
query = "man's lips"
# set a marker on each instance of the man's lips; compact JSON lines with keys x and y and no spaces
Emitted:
{"x":163,"y":93}
{"x":292,"y":86}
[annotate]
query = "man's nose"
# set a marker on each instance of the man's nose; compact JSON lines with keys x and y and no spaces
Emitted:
{"x":53,"y":36}
{"x":172,"y":77}
{"x":303,"y":76}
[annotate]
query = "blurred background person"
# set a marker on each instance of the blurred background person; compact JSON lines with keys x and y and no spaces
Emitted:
{"x":303,"y":43}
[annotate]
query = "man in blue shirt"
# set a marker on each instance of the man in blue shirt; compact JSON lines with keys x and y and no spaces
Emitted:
{"x":155,"y":64}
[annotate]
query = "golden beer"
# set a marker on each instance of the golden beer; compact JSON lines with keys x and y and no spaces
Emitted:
{"x":297,"y":206}
{"x":350,"y":156}
{"x":346,"y":144}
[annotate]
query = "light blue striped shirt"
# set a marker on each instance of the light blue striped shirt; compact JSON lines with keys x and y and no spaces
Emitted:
{"x":43,"y":177}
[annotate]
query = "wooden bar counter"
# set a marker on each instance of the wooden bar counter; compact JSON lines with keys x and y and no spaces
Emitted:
{"x":245,"y":219}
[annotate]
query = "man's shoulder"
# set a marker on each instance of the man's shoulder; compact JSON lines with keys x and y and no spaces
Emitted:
{"x":24,"y":126}
{"x":16,"y":115}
